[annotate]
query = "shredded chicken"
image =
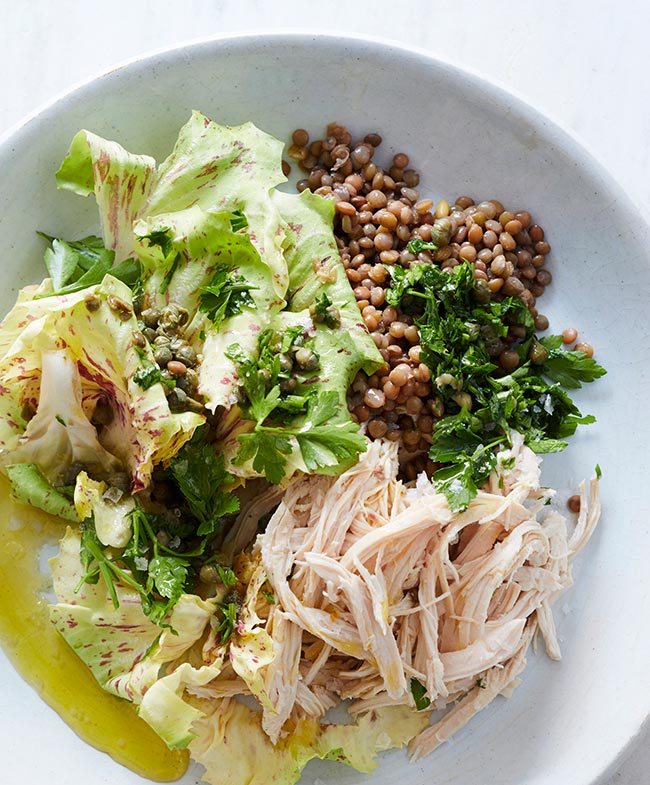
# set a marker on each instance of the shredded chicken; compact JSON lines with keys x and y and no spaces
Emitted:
{"x":377,"y":584}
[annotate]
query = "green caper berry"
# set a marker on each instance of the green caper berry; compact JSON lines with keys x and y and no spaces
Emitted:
{"x":151,"y":317}
{"x":162,"y":356}
{"x":286,"y":363}
{"x":537,"y":354}
{"x":441,"y":232}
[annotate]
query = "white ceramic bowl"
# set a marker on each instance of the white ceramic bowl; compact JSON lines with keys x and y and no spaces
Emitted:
{"x":568,"y":722}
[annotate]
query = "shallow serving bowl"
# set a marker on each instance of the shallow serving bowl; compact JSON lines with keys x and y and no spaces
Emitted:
{"x":568,"y":721}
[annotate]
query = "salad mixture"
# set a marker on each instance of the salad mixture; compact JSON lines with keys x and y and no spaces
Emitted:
{"x":293,"y":440}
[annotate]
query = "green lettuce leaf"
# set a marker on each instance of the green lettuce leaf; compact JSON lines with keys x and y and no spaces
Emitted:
{"x":60,"y":359}
{"x":112,"y":519}
{"x":29,"y":486}
{"x":232,"y":746}
{"x":125,"y":651}
{"x":120,"y":181}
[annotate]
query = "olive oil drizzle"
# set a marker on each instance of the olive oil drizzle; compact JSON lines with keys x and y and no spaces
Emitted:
{"x":48,"y":664}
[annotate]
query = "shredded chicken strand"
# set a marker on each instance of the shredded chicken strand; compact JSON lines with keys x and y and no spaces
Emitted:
{"x":377,"y":584}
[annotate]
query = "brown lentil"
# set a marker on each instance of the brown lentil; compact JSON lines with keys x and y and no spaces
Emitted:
{"x":585,"y":348}
{"x":569,"y":335}
{"x":573,"y":503}
{"x":378,"y":212}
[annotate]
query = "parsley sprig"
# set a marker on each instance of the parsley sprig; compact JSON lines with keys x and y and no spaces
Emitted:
{"x":308,"y":419}
{"x":159,"y":572}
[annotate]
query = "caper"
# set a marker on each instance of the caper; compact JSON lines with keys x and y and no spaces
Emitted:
{"x":173,"y":316}
{"x":186,"y":354}
{"x":161,"y":340}
{"x":151,"y":317}
{"x":192,"y":376}
{"x":537,"y":353}
{"x":208,"y":574}
{"x":162,"y":355}
{"x":288,"y":385}
{"x":138,"y":339}
{"x":150,"y":334}
{"x":286,"y":363}
{"x":92,"y":301}
{"x":482,"y":292}
{"x":332,"y":316}
{"x":441,"y":232}
{"x":307,"y":359}
{"x":177,"y":400}
{"x":120,"y":306}
{"x":186,"y":385}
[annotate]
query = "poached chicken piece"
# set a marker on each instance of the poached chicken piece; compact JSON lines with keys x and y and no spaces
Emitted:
{"x":380,"y":586}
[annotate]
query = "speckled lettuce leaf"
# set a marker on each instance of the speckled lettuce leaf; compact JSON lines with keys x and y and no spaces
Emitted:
{"x":196,"y":242}
{"x":232,"y":746}
{"x":60,"y":432}
{"x":110,"y":641}
{"x":125,"y":651}
{"x":315,"y":269}
{"x":112,"y":519}
{"x":164,"y":708}
{"x":100,"y":354}
{"x":29,"y":486}
{"x":120,"y":181}
{"x":251,"y":647}
{"x":212,"y":168}
{"x":222,"y":169}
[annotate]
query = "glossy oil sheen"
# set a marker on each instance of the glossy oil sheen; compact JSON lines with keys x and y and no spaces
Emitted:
{"x":45,"y":661}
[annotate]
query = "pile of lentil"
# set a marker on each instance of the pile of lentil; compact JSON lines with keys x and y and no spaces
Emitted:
{"x":379,"y":211}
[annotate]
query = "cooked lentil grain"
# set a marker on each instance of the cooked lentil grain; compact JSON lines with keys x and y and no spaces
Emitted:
{"x":378,"y":212}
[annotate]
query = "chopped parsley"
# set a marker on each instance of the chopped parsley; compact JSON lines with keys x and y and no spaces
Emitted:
{"x":307,"y":418}
{"x":458,"y":325}
{"x":323,"y":311}
{"x":149,"y":373}
{"x":227,"y":294}
{"x":226,"y":625}
{"x":161,"y":572}
{"x":238,"y":220}
{"x":416,"y":245}
{"x":419,"y":693}
{"x":75,"y":265}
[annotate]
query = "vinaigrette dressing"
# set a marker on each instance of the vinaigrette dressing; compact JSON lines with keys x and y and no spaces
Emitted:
{"x":49,"y":665}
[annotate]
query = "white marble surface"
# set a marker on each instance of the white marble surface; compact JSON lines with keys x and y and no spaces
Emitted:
{"x":581,"y":62}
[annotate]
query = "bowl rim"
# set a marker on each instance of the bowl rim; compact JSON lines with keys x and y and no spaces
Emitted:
{"x":552,"y":130}
{"x":521,"y":106}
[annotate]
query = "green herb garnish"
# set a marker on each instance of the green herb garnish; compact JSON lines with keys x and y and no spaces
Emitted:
{"x":419,"y":693}
{"x":227,"y":294}
{"x":457,"y":326}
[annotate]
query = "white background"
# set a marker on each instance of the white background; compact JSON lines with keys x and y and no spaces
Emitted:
{"x":584,"y":63}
